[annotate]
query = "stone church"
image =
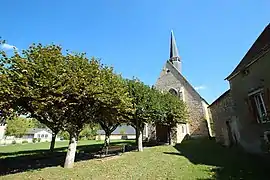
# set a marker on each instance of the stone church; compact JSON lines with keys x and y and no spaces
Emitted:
{"x":172,"y":80}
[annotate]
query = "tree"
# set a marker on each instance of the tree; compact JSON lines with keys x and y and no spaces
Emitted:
{"x":58,"y":90}
{"x":89,"y":131}
{"x":170,"y":111}
{"x":33,"y":84}
{"x":6,"y":105}
{"x":18,"y":126}
{"x":114,"y":103}
{"x":142,"y":103}
{"x":38,"y":124}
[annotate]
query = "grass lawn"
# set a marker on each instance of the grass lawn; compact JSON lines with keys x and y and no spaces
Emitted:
{"x":31,"y":148}
{"x":193,"y":159}
{"x":19,"y":149}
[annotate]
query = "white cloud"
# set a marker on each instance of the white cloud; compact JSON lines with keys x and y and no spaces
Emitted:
{"x":200,"y":87}
{"x":8,"y":47}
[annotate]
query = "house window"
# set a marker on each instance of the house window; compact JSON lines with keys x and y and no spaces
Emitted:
{"x":183,"y":129}
{"x":38,"y":135}
{"x":42,"y":135}
{"x":258,"y":106}
{"x":46,"y":135}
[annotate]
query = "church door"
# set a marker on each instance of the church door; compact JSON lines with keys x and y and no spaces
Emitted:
{"x":162,"y":133}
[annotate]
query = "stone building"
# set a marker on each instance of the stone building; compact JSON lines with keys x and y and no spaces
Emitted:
{"x":172,"y":80}
{"x":250,"y":96}
{"x":223,"y":113}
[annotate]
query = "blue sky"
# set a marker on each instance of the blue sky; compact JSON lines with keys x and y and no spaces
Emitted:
{"x":133,"y":36}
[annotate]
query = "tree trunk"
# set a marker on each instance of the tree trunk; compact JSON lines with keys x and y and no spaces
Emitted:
{"x":107,"y":142}
{"x":70,"y":157}
{"x":54,"y":134}
{"x":170,"y":135}
{"x":137,"y":136}
{"x":140,"y":138}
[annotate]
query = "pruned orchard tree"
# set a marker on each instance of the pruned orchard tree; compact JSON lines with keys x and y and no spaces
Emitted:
{"x":170,"y":111}
{"x":18,"y":126}
{"x":142,"y":105}
{"x":114,"y":102}
{"x":35,"y":83}
{"x":82,"y":94}
{"x":58,"y":90}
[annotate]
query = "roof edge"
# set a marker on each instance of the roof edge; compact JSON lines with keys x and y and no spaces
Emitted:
{"x":168,"y":61}
{"x":221,"y":96}
{"x":234,"y":72}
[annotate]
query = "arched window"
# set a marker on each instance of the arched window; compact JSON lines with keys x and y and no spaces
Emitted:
{"x":173,"y":92}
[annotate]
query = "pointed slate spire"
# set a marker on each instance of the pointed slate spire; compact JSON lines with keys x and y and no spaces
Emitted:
{"x":173,"y":47}
{"x":174,"y":56}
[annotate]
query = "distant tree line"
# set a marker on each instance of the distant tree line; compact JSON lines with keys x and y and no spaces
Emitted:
{"x":66,"y":91}
{"x":18,"y":126}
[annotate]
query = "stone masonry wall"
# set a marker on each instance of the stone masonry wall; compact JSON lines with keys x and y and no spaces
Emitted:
{"x":222,"y":110}
{"x":170,"y":78}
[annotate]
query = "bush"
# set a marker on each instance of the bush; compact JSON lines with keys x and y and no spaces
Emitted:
{"x":38,"y":139}
{"x":34,"y":140}
{"x":64,"y":135}
{"x":13,"y":142}
{"x":24,"y":141}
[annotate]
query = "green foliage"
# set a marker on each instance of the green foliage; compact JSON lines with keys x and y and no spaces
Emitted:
{"x":142,"y":103}
{"x":69,"y":92}
{"x":39,"y":139}
{"x":89,"y":132}
{"x":13,"y":142}
{"x":38,"y":124}
{"x":64,"y":135}
{"x":122,"y":131}
{"x":34,"y":140}
{"x":170,"y":109}
{"x":18,"y":126}
{"x":24,"y":142}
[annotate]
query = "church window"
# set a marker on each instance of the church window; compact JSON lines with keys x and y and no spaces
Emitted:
{"x":173,"y":92}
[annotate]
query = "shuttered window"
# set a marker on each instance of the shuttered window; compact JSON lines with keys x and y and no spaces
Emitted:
{"x":258,"y":107}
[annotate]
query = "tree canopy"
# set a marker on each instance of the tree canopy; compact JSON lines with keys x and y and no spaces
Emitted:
{"x":69,"y":92}
{"x":18,"y":126}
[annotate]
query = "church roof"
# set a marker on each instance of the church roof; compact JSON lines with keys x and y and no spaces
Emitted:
{"x":261,"y":44}
{"x":181,"y":77}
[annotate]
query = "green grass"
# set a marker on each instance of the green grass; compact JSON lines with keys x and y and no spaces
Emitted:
{"x":193,"y":159}
{"x":37,"y":146}
{"x":14,"y":150}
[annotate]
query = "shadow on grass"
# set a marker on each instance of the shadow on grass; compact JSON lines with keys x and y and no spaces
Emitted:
{"x":229,"y":163}
{"x":21,"y":161}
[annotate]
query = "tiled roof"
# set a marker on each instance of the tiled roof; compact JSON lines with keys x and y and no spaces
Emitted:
{"x":127,"y":129}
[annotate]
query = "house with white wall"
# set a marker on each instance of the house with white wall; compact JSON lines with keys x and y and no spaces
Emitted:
{"x":42,"y":133}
